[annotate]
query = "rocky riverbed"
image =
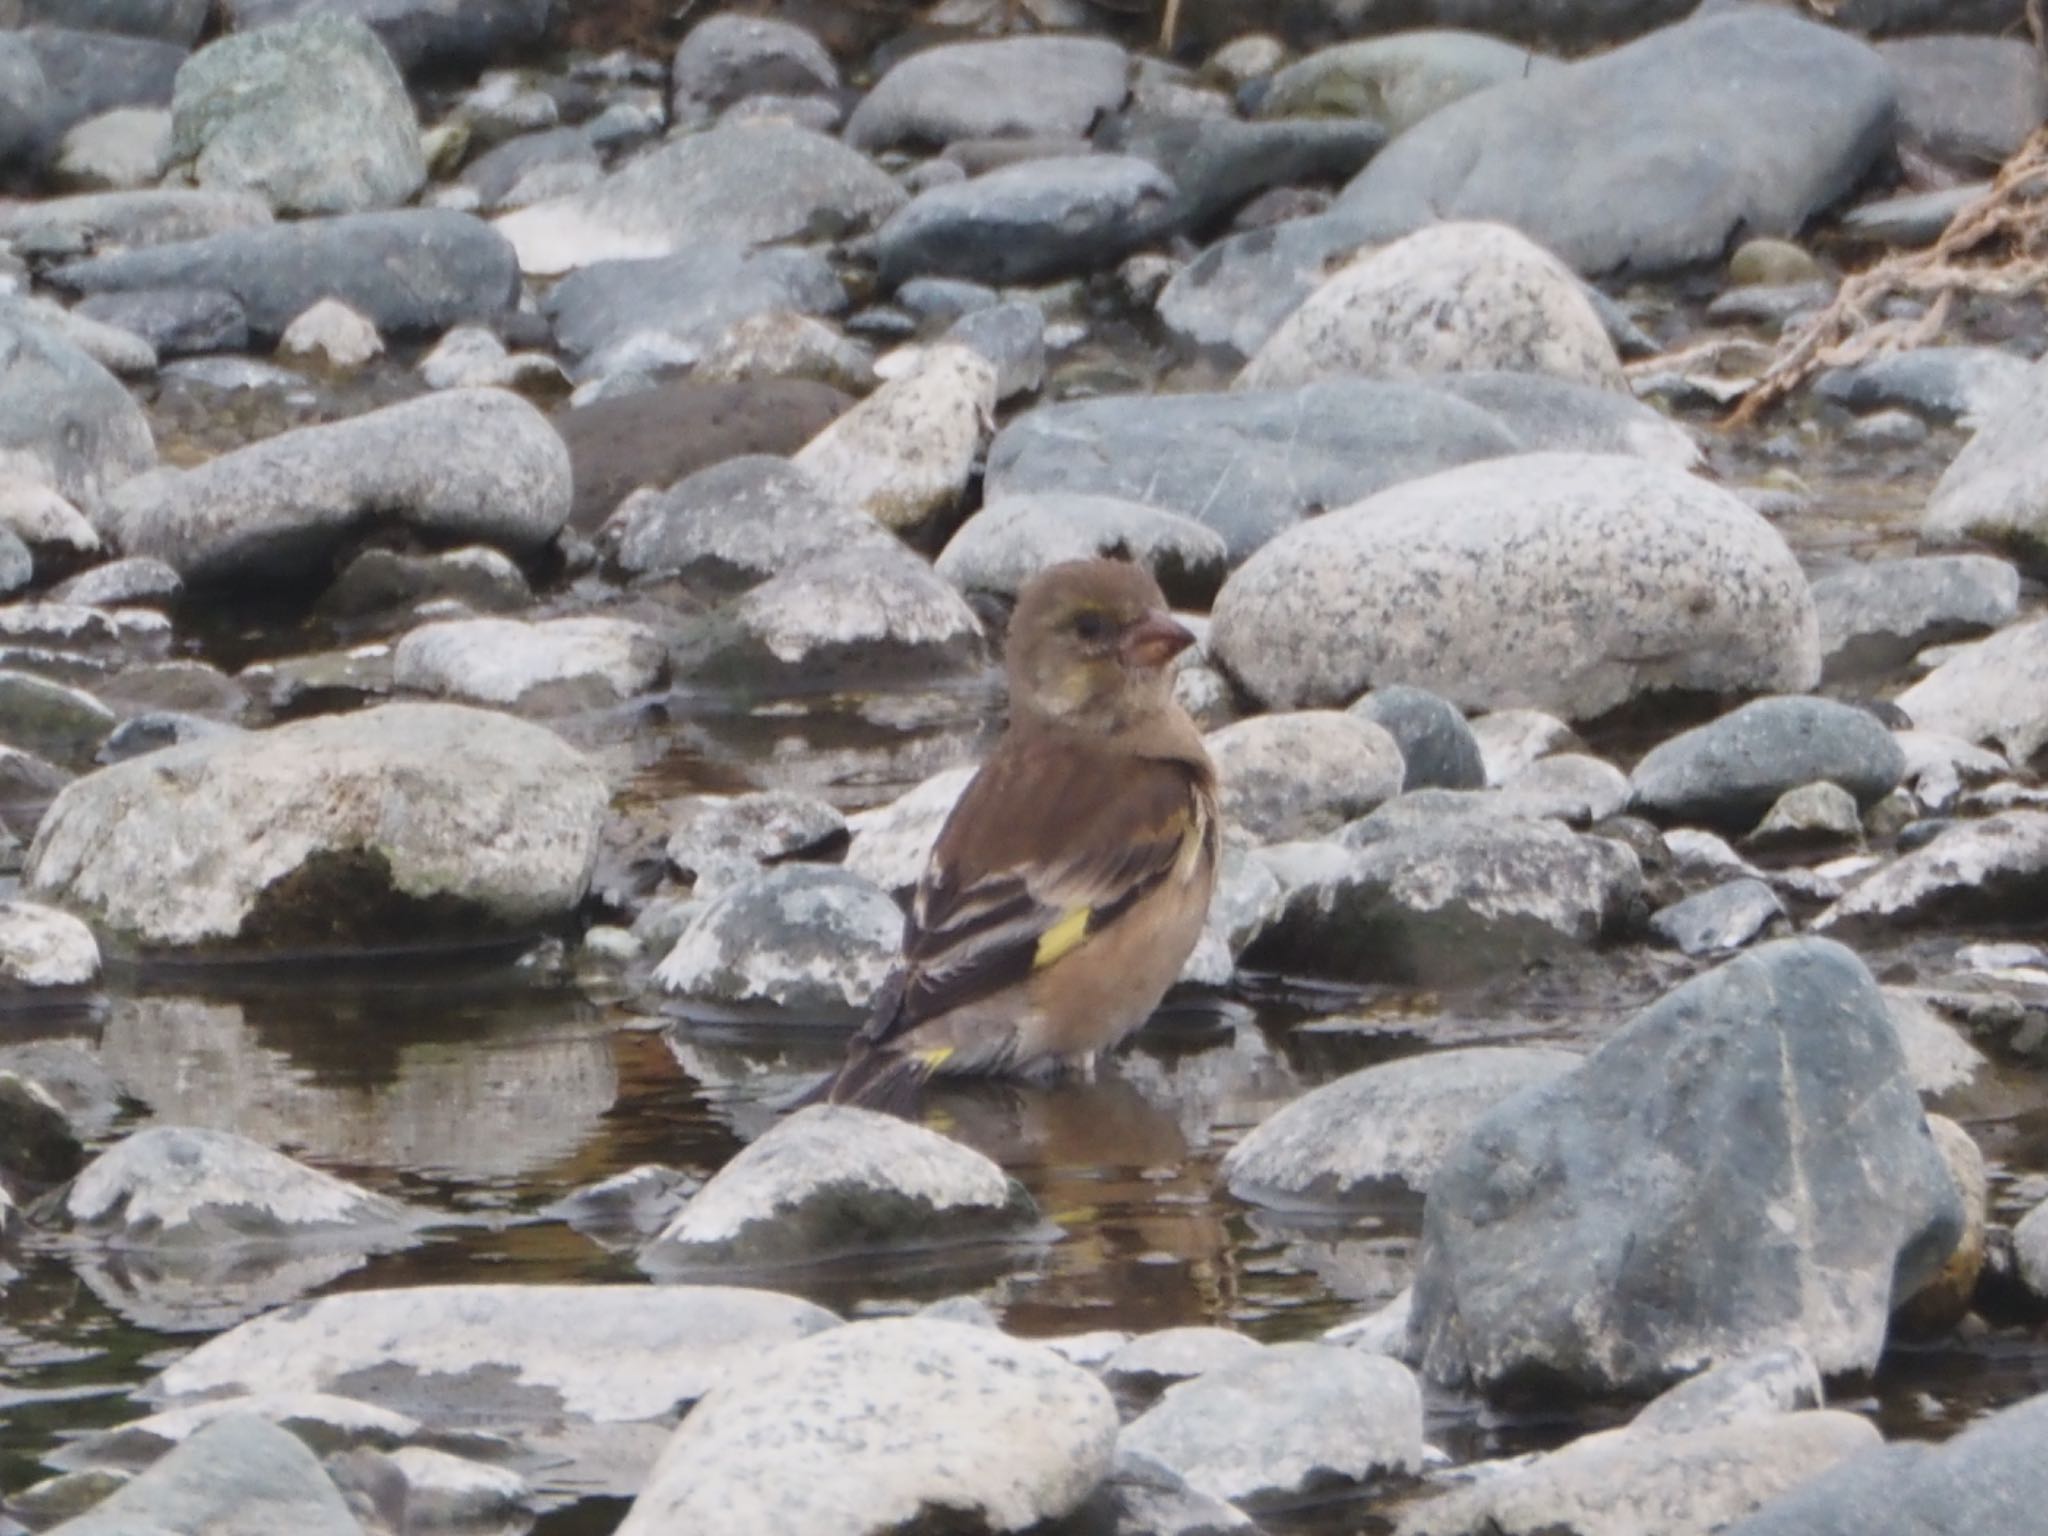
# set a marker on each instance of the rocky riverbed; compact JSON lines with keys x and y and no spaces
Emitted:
{"x":507,"y":516}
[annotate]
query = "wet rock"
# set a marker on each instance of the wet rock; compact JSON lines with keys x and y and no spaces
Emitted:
{"x":50,"y":719}
{"x":550,"y":663}
{"x":65,"y":422}
{"x":1545,"y":153}
{"x":240,"y":1476}
{"x":1996,"y":490}
{"x":725,"y":59}
{"x":1875,"y":617}
{"x":1029,"y":87}
{"x":72,"y":1076}
{"x":831,"y":1181}
{"x":1990,"y":870}
{"x":1438,"y":749}
{"x":1010,"y":540}
{"x":1145,"y":1497}
{"x":1985,"y":1477}
{"x":1249,"y":465}
{"x":1995,"y":690}
{"x":1725,"y":917}
{"x":1027,"y":223}
{"x":1303,"y":775}
{"x":1449,"y":298}
{"x":1622,"y":1481}
{"x":408,"y":820}
{"x":462,"y":465}
{"x":383,"y":581}
{"x":1729,"y":772}
{"x":443,"y":1491}
{"x":42,"y":947}
{"x":657,"y":436}
{"x":1750,"y":1388}
{"x":1152,"y":1361}
{"x":1394,"y":82}
{"x":1810,"y":816}
{"x":1515,"y":557}
{"x":808,"y":939}
{"x":875,"y":1425}
{"x":1967,"y":101}
{"x":1548,"y":411}
{"x":501,"y":1354}
{"x":668,"y":311}
{"x":904,"y":454}
{"x":1384,"y":1126}
{"x":17,"y":565}
{"x":719,"y":838}
{"x":742,"y":183}
{"x":628,"y":1208}
{"x":38,"y":1144}
{"x":1944,"y":1301}
{"x":126,"y":148}
{"x":408,"y":271}
{"x":1217,"y":163}
{"x":1454,"y":903}
{"x":1941,"y":383}
{"x":177,"y":322}
{"x":332,"y":338}
{"x":737,"y":523}
{"x":1560,"y":1242}
{"x":470,"y":357}
{"x":891,"y":842}
{"x":422,"y":35}
{"x":1294,"y":1419}
{"x":310,"y":114}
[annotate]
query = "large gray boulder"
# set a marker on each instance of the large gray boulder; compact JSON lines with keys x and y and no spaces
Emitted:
{"x":403,"y":822}
{"x":1730,"y":771}
{"x":65,"y":422}
{"x":1636,"y":159}
{"x":1560,"y":581}
{"x":1745,"y":1164}
{"x":877,"y":1425}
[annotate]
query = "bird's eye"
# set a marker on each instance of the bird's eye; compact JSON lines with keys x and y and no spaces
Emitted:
{"x":1091,"y":624}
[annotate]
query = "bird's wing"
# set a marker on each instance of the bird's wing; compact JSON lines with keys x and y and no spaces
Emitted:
{"x":1051,"y":843}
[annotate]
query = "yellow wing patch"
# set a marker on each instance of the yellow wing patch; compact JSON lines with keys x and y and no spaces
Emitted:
{"x":1062,"y":938}
{"x":934,"y":1058}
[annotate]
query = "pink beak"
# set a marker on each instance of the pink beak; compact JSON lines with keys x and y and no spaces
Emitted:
{"x":1155,"y":640}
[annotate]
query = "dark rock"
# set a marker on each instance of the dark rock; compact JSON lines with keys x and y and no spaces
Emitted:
{"x":496,"y":174}
{"x":1726,"y":917}
{"x":1941,"y":383}
{"x":1911,"y":219}
{"x":736,"y":523}
{"x":169,"y":21}
{"x":1217,"y":164}
{"x":93,"y":72}
{"x":727,"y":58}
{"x":1968,"y":101}
{"x":1874,"y":618}
{"x":38,"y":1145}
{"x":422,"y":35}
{"x":1436,"y":744}
{"x":1729,"y":772}
{"x":176,"y":321}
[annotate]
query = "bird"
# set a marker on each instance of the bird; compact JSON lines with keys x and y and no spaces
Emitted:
{"x":1073,"y":876}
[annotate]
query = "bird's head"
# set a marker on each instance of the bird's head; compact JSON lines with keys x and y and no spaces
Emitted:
{"x":1089,"y":645}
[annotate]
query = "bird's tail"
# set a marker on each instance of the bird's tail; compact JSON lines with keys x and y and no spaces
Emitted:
{"x":877,"y":1077}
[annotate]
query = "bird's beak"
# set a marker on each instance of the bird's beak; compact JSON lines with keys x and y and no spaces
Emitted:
{"x":1155,"y":640}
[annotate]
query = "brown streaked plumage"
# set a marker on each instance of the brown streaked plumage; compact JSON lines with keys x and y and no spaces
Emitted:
{"x":1071,"y":881}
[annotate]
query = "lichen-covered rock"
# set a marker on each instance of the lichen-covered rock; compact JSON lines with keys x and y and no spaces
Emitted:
{"x":1994,"y":870}
{"x":806,"y":939}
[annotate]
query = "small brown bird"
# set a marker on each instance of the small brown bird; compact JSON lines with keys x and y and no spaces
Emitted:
{"x":1073,"y":878}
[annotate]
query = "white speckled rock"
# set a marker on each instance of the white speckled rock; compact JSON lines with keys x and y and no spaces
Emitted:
{"x":42,"y":947}
{"x":1293,"y":1418}
{"x":832,"y":1180}
{"x":717,"y":839}
{"x":1450,"y":298}
{"x":333,"y":336}
{"x":1152,"y":1360}
{"x":871,"y":1426}
{"x":512,"y":1353}
{"x":199,"y":844}
{"x":511,"y":661}
{"x":892,"y":842}
{"x":1995,"y":690}
{"x":1559,"y":581}
{"x":805,"y":938}
{"x":1304,"y":774}
{"x":1992,"y":869}
{"x":1387,"y":1124}
{"x":903,"y":455}
{"x":1009,"y":541}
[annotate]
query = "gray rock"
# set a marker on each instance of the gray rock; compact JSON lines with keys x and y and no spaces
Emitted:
{"x":1748,"y":1389}
{"x":832,"y":1181}
{"x":1990,"y":870}
{"x":1249,"y":465}
{"x":1020,"y":87}
{"x":1875,"y":617}
{"x":668,"y":312}
{"x":1913,"y":218}
{"x":737,"y":523}
{"x":1293,"y":1419}
{"x":1730,"y":771}
{"x":169,"y":21}
{"x":501,"y":1355}
{"x":1725,"y":917}
{"x":17,"y":565}
{"x":310,"y":114}
{"x":1144,"y":1497}
{"x":30,"y":124}
{"x":1995,"y":690}
{"x":65,"y":422}
{"x":806,"y":939}
{"x":408,"y":272}
{"x":781,"y":344}
{"x":875,"y":1425}
{"x":1967,"y":101}
{"x":560,"y":664}
{"x":1969,"y":384}
{"x":177,"y":322}
{"x":727,"y":58}
{"x":42,"y":947}
{"x":38,"y":1143}
{"x":1230,"y":299}
{"x":1996,"y":490}
{"x":1987,"y":1478}
{"x":460,"y":465}
{"x":47,"y":526}
{"x":1810,"y":816}
{"x":1744,"y":1164}
{"x":1302,"y":775}
{"x":51,"y":719}
{"x":90,"y":72}
{"x":126,"y":148}
{"x":77,"y":226}
{"x":628,"y":1208}
{"x":1437,"y":746}
{"x":891,"y":842}
{"x":1153,"y":1360}
{"x":405,"y":821}
{"x":1218,"y":163}
{"x":1569,"y":787}
{"x":1449,"y":298}
{"x":240,"y":1476}
{"x":738,"y":184}
{"x":904,"y":455}
{"x":863,"y":615}
{"x":1397,"y":81}
{"x":718,"y":837}
{"x":1012,"y":539}
{"x":1545,"y":153}
{"x":1382,"y":1127}
{"x":1032,"y":222}
{"x":1454,"y":903}
{"x":1501,"y":583}
{"x":1550,"y":412}
{"x":380,"y":581}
